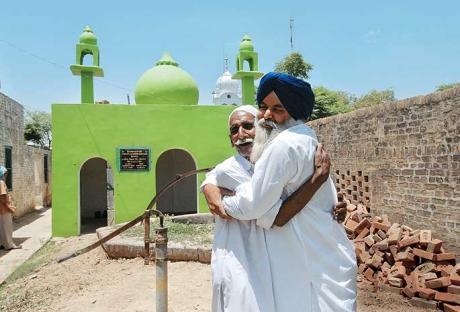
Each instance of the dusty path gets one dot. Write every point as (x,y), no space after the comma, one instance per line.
(93,283)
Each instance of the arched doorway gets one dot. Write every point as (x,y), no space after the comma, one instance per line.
(96,195)
(181,198)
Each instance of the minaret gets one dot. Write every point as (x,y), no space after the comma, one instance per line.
(87,45)
(247,77)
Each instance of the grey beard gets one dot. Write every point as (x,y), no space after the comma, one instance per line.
(265,135)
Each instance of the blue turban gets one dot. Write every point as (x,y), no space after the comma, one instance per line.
(294,93)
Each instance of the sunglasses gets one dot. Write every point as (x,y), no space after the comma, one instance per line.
(245,124)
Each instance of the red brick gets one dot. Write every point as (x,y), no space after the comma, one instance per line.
(434,246)
(394,236)
(394,252)
(453,289)
(445,270)
(406,255)
(408,241)
(429,276)
(351,225)
(447,297)
(361,268)
(444,256)
(423,254)
(369,241)
(450,308)
(438,283)
(455,279)
(395,282)
(369,274)
(426,293)
(364,224)
(376,238)
(381,246)
(398,271)
(417,280)
(362,234)
(425,267)
(376,261)
(409,291)
(389,258)
(351,207)
(425,237)
(381,226)
(363,256)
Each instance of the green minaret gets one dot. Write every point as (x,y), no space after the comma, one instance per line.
(247,77)
(87,45)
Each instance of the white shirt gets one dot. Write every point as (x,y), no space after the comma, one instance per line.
(241,276)
(313,263)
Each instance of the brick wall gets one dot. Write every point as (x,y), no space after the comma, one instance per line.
(29,187)
(409,153)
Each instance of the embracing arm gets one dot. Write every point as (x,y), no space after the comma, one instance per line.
(297,201)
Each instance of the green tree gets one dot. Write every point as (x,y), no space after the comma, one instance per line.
(294,65)
(447,86)
(38,128)
(330,102)
(374,97)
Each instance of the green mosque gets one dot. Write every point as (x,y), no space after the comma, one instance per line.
(109,160)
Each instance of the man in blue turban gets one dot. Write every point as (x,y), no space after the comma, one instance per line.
(295,94)
(312,262)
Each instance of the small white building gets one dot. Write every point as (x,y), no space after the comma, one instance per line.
(228,90)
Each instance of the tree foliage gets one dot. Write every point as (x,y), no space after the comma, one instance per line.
(447,86)
(330,102)
(294,65)
(374,97)
(38,128)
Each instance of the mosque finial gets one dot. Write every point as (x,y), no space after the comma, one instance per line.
(225,64)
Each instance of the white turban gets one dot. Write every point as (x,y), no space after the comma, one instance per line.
(244,108)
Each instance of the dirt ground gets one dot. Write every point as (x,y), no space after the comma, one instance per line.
(93,283)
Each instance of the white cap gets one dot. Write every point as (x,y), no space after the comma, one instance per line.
(244,108)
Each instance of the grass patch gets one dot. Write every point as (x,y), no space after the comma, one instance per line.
(194,234)
(41,257)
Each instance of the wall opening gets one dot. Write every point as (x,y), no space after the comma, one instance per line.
(181,198)
(96,195)
(87,59)
(9,166)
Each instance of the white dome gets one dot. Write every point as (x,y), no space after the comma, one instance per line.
(225,83)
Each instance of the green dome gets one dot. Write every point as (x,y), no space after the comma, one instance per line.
(166,83)
(246,44)
(88,36)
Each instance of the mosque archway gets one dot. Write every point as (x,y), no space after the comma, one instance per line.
(87,59)
(96,195)
(181,198)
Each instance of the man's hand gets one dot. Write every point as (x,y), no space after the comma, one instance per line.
(213,195)
(322,164)
(340,210)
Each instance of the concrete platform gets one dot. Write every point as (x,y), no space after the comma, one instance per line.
(131,247)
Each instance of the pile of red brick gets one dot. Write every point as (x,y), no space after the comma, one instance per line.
(402,257)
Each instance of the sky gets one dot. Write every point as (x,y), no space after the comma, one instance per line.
(355,46)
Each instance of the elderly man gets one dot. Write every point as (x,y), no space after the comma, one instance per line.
(241,274)
(312,262)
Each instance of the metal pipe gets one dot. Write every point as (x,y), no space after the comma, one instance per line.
(147,237)
(161,263)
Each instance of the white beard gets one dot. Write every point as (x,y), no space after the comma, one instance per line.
(265,135)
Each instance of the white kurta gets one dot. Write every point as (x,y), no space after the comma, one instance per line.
(312,261)
(241,276)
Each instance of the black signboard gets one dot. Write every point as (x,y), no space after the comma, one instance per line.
(134,159)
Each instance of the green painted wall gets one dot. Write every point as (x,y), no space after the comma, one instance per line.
(81,132)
